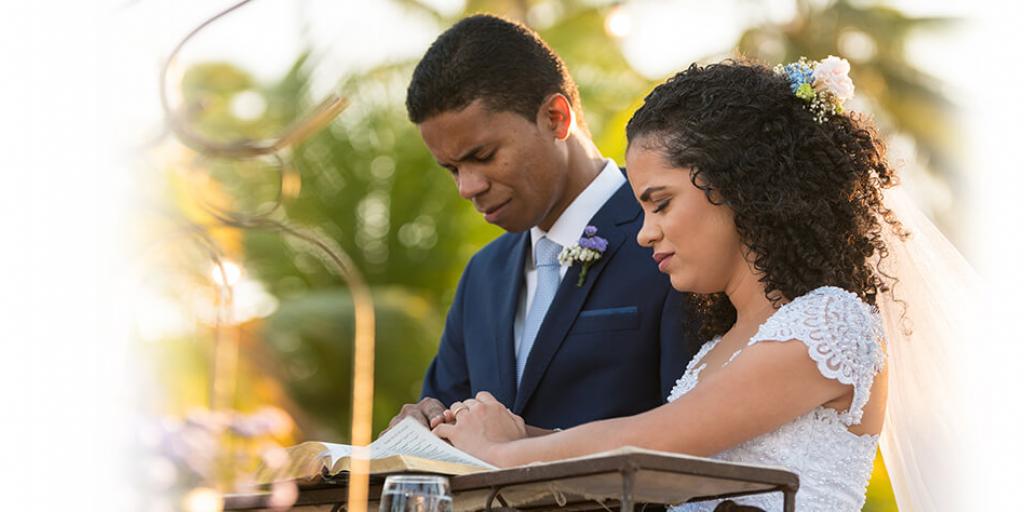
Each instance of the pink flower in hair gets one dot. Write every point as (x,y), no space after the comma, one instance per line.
(832,74)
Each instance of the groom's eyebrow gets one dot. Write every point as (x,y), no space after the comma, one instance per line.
(465,155)
(646,196)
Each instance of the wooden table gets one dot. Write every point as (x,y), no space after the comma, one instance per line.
(624,478)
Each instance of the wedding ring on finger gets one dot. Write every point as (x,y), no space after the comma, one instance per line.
(457,409)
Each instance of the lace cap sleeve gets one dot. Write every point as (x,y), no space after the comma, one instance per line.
(842,334)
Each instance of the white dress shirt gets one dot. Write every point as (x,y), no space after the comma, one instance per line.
(566,231)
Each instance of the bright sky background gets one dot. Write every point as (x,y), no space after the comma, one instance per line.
(265,36)
(77,76)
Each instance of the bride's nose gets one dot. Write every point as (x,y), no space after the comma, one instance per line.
(649,232)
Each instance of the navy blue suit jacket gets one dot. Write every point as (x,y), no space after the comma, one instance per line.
(613,347)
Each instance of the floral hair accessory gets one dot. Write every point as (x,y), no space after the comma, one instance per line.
(586,251)
(825,85)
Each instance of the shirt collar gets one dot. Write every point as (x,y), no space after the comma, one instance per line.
(568,229)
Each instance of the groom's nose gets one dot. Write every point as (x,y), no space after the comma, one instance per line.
(471,184)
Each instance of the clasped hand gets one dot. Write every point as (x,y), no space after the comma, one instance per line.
(480,426)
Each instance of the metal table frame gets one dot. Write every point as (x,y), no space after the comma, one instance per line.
(627,465)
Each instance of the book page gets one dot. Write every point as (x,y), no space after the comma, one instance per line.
(409,437)
(336,452)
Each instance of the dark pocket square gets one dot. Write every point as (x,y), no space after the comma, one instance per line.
(608,311)
(609,319)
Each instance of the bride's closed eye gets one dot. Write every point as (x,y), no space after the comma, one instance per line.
(662,205)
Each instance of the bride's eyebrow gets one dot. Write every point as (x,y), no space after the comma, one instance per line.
(646,196)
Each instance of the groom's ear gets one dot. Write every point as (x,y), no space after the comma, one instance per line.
(556,114)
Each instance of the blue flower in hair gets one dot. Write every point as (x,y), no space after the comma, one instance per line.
(798,73)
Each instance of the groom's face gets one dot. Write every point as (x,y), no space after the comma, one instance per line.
(513,171)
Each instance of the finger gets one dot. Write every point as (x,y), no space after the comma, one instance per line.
(520,422)
(470,402)
(427,400)
(437,420)
(457,408)
(444,430)
(402,413)
(417,414)
(432,408)
(487,398)
(409,411)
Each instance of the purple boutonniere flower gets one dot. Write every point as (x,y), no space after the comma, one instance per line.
(589,249)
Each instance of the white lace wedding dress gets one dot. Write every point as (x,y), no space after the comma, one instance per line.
(843,336)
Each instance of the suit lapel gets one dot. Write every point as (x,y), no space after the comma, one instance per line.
(569,298)
(509,285)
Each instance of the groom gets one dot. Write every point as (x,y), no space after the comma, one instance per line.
(559,347)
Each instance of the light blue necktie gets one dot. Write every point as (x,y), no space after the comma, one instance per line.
(548,278)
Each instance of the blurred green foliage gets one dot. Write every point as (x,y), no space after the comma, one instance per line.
(305,341)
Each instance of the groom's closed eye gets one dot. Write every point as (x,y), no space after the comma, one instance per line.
(483,158)
(478,155)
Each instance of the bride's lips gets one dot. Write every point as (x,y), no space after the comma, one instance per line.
(662,259)
(491,214)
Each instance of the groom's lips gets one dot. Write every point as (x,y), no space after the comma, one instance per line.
(491,214)
(661,258)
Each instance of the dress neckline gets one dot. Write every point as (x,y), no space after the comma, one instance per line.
(702,353)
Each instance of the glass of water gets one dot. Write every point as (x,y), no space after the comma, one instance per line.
(416,493)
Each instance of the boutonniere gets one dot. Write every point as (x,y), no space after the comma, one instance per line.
(589,249)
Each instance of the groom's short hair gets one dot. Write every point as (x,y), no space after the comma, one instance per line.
(501,62)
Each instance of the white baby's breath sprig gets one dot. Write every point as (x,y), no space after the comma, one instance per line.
(586,251)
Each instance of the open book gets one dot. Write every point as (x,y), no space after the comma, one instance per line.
(408,447)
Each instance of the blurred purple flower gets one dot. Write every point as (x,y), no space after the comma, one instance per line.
(590,240)
(265,422)
(196,444)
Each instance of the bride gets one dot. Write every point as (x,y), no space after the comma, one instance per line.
(766,201)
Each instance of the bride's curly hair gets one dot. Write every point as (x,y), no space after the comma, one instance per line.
(807,196)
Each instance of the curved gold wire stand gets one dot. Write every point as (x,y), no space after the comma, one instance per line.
(271,217)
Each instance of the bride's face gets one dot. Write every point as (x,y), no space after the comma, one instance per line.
(694,241)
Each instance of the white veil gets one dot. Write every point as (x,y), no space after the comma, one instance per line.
(926,440)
